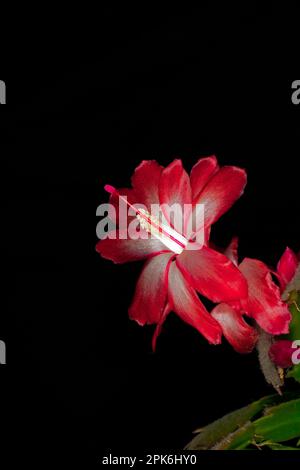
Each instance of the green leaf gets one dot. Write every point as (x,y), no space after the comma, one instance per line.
(241,439)
(276,446)
(281,422)
(246,428)
(220,429)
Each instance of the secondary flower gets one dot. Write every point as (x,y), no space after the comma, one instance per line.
(286,267)
(173,273)
(281,353)
(263,304)
(282,350)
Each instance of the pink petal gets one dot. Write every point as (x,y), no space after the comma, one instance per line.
(264,302)
(207,235)
(201,173)
(238,333)
(232,251)
(151,291)
(121,250)
(212,274)
(220,193)
(145,181)
(175,188)
(286,267)
(159,326)
(185,302)
(281,353)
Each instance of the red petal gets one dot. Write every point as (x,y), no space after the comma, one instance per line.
(201,173)
(212,274)
(222,190)
(264,302)
(238,333)
(145,181)
(121,250)
(159,326)
(185,302)
(175,188)
(286,267)
(281,353)
(232,251)
(151,291)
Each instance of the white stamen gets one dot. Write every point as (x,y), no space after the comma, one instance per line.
(173,240)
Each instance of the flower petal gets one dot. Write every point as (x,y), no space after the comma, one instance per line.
(175,188)
(286,267)
(232,251)
(201,173)
(238,333)
(222,190)
(151,291)
(185,302)
(281,353)
(212,274)
(159,325)
(264,302)
(145,181)
(122,250)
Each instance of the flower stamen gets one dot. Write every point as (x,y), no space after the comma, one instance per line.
(166,234)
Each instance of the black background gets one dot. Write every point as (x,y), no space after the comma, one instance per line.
(89,96)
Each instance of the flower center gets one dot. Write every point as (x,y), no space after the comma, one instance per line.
(172,239)
(166,234)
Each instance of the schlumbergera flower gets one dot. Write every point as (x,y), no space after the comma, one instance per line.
(281,351)
(263,304)
(176,266)
(286,268)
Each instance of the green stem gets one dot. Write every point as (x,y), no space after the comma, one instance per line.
(268,367)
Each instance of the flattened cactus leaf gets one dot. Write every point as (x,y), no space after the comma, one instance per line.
(215,432)
(281,423)
(276,446)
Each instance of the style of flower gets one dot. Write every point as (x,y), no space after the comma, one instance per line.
(173,273)
(263,304)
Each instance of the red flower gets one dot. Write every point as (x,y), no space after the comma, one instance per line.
(263,303)
(281,353)
(286,267)
(171,276)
